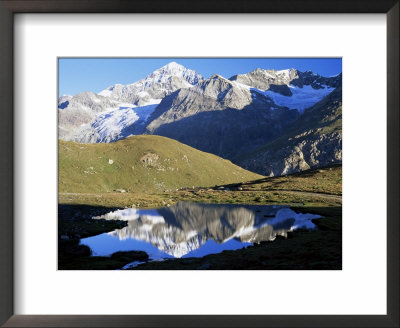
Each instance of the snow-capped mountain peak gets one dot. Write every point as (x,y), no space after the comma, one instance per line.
(164,73)
(154,86)
(172,67)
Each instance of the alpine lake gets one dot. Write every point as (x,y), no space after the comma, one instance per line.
(194,230)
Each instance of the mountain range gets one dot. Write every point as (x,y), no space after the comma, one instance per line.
(266,121)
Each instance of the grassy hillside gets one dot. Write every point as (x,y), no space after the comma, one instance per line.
(326,180)
(316,187)
(142,163)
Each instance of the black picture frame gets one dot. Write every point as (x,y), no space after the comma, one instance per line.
(10,7)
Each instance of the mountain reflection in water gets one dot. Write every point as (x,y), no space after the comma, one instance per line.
(195,230)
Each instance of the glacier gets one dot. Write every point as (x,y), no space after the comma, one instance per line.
(115,124)
(300,99)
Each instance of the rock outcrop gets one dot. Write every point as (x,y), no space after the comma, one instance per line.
(302,154)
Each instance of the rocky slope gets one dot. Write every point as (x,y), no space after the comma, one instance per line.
(265,79)
(313,140)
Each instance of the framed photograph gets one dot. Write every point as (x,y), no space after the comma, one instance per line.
(175,171)
(191,165)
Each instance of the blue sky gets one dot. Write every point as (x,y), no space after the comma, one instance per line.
(76,75)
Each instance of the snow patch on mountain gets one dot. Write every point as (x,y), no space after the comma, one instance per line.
(115,124)
(111,123)
(300,99)
(106,92)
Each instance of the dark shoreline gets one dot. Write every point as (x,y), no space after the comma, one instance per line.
(75,222)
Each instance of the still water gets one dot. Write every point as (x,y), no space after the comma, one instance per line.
(195,230)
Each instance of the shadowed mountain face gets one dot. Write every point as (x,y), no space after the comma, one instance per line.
(185,227)
(228,132)
(220,117)
(232,118)
(312,140)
